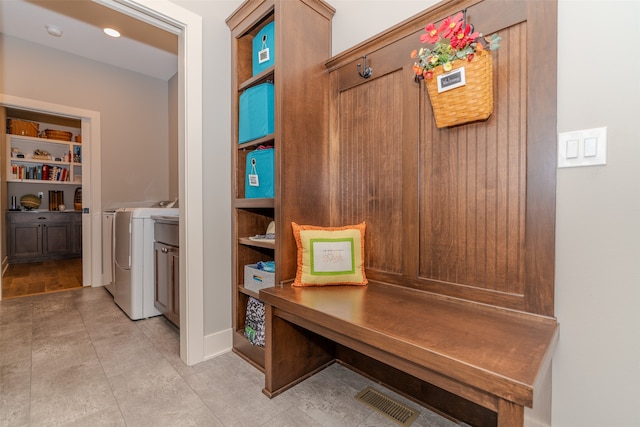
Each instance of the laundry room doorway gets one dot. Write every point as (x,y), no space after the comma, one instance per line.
(188,27)
(90,179)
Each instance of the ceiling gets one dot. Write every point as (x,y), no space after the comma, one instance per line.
(143,48)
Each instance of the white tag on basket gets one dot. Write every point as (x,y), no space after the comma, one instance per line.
(253,176)
(263,54)
(451,80)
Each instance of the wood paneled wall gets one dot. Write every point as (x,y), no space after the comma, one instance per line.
(369,154)
(466,211)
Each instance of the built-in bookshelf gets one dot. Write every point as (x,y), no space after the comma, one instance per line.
(43,153)
(302,44)
(40,160)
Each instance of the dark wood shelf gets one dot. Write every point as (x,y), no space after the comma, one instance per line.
(254,203)
(251,353)
(247,292)
(267,140)
(248,242)
(263,77)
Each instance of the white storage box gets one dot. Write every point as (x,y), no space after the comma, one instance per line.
(255,279)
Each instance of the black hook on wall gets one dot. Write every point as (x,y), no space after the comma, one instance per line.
(368,71)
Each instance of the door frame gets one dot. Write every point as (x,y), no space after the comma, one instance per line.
(188,27)
(91,179)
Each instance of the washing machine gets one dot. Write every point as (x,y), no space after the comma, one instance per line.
(133,289)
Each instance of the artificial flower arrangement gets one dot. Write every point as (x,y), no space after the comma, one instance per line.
(454,39)
(457,70)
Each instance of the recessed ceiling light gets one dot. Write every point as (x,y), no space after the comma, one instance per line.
(53,30)
(111,32)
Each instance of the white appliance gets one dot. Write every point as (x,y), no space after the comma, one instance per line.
(133,260)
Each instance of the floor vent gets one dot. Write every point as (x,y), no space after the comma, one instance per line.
(387,406)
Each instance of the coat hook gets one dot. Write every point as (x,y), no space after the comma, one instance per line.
(368,71)
(464,20)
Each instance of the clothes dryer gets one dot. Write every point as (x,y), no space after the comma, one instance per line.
(134,263)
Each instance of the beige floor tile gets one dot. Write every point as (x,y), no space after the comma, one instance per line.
(154,392)
(73,358)
(74,392)
(15,394)
(108,417)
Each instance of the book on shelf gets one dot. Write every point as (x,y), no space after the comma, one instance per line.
(40,173)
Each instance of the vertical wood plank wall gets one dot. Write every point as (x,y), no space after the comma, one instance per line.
(370,155)
(473,200)
(449,210)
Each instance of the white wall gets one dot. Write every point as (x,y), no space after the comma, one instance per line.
(133,108)
(216,158)
(596,368)
(358,20)
(172,123)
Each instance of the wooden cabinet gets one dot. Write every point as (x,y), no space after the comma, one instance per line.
(76,235)
(167,270)
(42,236)
(302,44)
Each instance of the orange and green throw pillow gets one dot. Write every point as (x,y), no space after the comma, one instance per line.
(330,255)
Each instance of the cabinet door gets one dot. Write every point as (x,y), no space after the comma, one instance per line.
(162,292)
(56,238)
(76,234)
(25,240)
(174,266)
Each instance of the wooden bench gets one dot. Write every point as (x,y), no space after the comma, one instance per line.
(496,358)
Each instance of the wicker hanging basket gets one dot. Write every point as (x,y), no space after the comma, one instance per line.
(468,103)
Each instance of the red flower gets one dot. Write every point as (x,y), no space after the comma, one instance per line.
(431,35)
(461,39)
(451,25)
(453,40)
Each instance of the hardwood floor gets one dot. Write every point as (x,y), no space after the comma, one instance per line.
(41,277)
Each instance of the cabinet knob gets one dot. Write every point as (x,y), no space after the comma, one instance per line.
(166,250)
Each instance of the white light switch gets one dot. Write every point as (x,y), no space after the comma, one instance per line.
(590,146)
(582,148)
(572,149)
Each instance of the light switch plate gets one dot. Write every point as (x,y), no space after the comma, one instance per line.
(572,148)
(591,148)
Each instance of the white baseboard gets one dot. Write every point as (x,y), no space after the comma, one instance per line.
(218,343)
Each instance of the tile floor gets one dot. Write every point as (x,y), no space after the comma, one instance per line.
(72,358)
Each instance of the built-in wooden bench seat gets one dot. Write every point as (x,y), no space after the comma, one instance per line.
(494,357)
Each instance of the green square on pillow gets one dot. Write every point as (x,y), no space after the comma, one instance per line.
(330,255)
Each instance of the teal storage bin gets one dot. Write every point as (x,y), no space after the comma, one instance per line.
(256,112)
(264,49)
(259,174)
